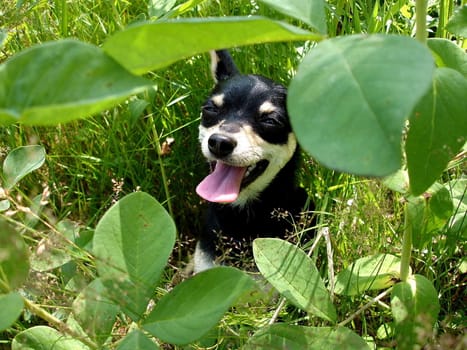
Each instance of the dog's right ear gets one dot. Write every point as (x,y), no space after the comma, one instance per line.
(222,65)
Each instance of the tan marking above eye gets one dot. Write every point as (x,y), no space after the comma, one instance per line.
(218,100)
(267,107)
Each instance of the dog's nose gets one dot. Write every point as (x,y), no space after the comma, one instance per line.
(221,145)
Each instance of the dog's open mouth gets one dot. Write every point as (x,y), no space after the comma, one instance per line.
(224,183)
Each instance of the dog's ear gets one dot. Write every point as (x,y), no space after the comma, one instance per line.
(222,65)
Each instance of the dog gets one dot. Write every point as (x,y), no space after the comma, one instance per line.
(246,136)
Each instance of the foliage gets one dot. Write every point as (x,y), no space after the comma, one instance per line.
(363,91)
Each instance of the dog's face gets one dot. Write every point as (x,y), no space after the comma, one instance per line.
(244,133)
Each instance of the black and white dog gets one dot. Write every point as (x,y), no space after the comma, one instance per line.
(246,136)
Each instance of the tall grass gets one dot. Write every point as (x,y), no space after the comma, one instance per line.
(92,163)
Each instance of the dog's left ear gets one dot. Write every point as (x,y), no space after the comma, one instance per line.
(222,65)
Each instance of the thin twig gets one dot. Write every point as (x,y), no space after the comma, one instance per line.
(365,307)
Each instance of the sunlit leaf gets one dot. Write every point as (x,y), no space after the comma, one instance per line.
(438,129)
(294,275)
(45,338)
(137,340)
(20,162)
(153,45)
(193,307)
(351,96)
(415,308)
(281,336)
(59,81)
(310,12)
(374,272)
(132,243)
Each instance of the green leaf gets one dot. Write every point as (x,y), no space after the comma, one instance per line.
(294,275)
(351,97)
(281,336)
(415,308)
(132,243)
(51,252)
(11,305)
(158,8)
(438,129)
(45,338)
(60,81)
(458,22)
(447,54)
(193,307)
(137,340)
(310,12)
(373,272)
(14,260)
(20,162)
(95,313)
(4,205)
(154,45)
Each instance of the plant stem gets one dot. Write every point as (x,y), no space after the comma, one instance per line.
(406,246)
(40,312)
(420,20)
(157,143)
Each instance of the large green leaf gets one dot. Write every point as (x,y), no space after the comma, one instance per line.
(132,243)
(60,81)
(14,259)
(310,12)
(95,313)
(415,308)
(20,162)
(351,97)
(149,46)
(438,129)
(137,340)
(458,22)
(193,307)
(374,272)
(448,54)
(294,275)
(11,305)
(45,338)
(281,336)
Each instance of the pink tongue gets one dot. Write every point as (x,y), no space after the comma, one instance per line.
(222,185)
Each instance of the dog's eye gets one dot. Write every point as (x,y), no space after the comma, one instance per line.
(270,119)
(210,109)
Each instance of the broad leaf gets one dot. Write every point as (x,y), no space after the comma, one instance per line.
(55,249)
(438,129)
(448,54)
(351,97)
(95,313)
(281,336)
(193,307)
(11,305)
(310,12)
(415,308)
(14,260)
(458,22)
(20,162)
(368,273)
(137,340)
(294,275)
(60,81)
(154,45)
(45,338)
(132,243)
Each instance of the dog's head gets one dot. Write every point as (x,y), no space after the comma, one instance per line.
(245,134)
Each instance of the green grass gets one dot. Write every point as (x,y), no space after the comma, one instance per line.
(92,163)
